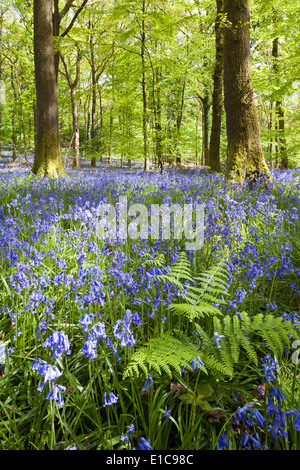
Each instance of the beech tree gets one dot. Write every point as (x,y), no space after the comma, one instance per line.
(47,158)
(243,132)
(150,74)
(73,84)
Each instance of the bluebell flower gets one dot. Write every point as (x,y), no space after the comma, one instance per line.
(2,351)
(122,331)
(136,319)
(249,420)
(255,441)
(130,429)
(245,439)
(271,306)
(277,394)
(112,399)
(297,421)
(223,441)
(59,343)
(241,414)
(51,373)
(270,408)
(269,366)
(144,444)
(196,364)
(86,320)
(98,331)
(55,393)
(217,338)
(148,383)
(259,418)
(166,414)
(89,348)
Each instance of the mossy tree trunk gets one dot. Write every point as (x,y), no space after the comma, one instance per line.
(47,158)
(245,155)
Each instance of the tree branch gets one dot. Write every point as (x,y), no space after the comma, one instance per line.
(66,8)
(74,17)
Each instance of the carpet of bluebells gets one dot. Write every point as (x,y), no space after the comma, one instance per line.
(75,309)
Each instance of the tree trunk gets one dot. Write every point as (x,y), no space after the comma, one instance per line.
(279,109)
(94,104)
(101,143)
(205,127)
(47,159)
(144,92)
(157,118)
(76,139)
(180,107)
(245,156)
(217,98)
(73,89)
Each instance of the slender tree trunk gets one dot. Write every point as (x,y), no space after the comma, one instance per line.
(144,92)
(101,143)
(217,98)
(205,127)
(2,12)
(279,109)
(196,141)
(22,121)
(75,120)
(13,137)
(0,105)
(270,129)
(94,104)
(243,133)
(76,138)
(111,127)
(180,106)
(157,118)
(47,158)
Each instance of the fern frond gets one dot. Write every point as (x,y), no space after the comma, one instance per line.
(247,333)
(203,298)
(168,354)
(192,312)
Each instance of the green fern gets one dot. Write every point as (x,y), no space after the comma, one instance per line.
(168,354)
(245,335)
(179,274)
(201,299)
(250,334)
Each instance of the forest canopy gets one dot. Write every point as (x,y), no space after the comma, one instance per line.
(142,81)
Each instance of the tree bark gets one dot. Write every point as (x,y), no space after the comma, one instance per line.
(217,98)
(279,109)
(245,155)
(144,92)
(75,120)
(94,102)
(179,116)
(205,127)
(47,159)
(157,117)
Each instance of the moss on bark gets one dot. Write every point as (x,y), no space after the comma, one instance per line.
(245,155)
